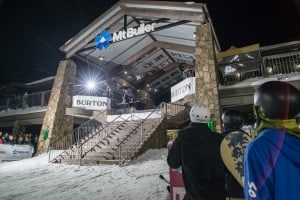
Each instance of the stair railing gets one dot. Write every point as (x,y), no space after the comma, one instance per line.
(65,142)
(168,110)
(126,143)
(61,145)
(176,114)
(89,145)
(172,109)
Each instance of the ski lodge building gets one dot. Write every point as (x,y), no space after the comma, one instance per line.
(150,60)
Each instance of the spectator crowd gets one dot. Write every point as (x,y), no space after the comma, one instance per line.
(21,139)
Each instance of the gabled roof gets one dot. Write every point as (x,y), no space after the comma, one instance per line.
(150,62)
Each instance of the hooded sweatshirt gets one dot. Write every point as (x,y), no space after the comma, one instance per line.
(272,166)
(197,151)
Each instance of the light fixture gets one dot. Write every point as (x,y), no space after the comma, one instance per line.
(101,57)
(125,72)
(194,34)
(91,85)
(270,70)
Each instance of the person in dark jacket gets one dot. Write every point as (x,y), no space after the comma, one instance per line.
(233,122)
(197,151)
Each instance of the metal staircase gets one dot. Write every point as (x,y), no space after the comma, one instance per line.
(115,142)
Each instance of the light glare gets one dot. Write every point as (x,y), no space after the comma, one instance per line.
(91,85)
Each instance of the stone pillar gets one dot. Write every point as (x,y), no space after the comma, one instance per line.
(207,91)
(55,119)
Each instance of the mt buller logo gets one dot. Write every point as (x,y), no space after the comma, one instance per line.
(102,40)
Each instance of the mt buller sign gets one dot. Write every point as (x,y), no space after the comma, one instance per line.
(132,32)
(105,38)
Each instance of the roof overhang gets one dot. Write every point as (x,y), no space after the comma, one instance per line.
(195,12)
(152,61)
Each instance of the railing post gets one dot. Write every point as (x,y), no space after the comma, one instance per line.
(262,67)
(43,99)
(162,109)
(80,161)
(49,155)
(7,104)
(119,149)
(78,135)
(142,132)
(167,112)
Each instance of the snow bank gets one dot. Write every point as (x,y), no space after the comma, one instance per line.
(35,178)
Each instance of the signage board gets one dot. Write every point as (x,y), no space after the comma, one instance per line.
(105,38)
(132,32)
(182,89)
(15,152)
(91,102)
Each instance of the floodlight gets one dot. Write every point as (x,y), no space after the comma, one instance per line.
(91,85)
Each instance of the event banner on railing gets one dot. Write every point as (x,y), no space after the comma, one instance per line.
(91,102)
(183,88)
(15,152)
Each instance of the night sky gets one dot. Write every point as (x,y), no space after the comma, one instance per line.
(33,30)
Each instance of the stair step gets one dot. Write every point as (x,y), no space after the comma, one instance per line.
(106,151)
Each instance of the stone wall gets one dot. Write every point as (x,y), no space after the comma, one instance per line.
(55,120)
(207,92)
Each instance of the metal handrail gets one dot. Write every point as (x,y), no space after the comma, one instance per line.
(176,108)
(140,125)
(102,138)
(65,142)
(58,140)
(87,145)
(171,109)
(67,145)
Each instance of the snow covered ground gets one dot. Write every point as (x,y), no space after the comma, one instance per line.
(35,178)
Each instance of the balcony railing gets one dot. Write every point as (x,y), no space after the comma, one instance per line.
(25,101)
(230,74)
(281,64)
(234,72)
